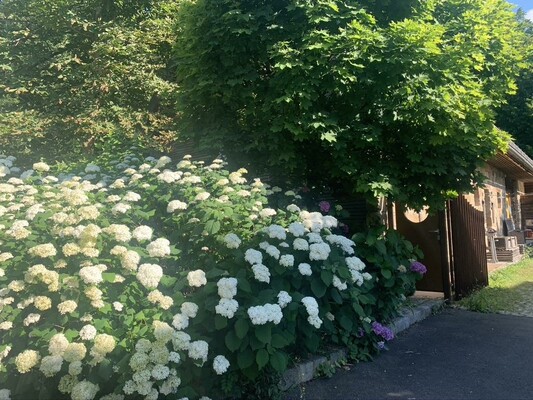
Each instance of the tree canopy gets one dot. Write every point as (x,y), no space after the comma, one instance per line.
(379,98)
(74,70)
(516,116)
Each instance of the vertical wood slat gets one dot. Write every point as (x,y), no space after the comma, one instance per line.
(468,247)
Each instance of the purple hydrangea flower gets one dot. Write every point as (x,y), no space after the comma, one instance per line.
(324,206)
(382,331)
(418,267)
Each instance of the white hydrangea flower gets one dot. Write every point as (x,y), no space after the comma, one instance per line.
(142,233)
(176,205)
(227,287)
(311,306)
(88,332)
(300,244)
(103,344)
(149,275)
(26,360)
(267,212)
(261,273)
(305,269)
(121,233)
(57,344)
(130,260)
(232,241)
(339,284)
(84,390)
(260,315)
(51,365)
(286,260)
(227,307)
(180,321)
(253,256)
(293,208)
(319,251)
(31,319)
(189,309)
(284,298)
(41,167)
(314,237)
(273,251)
(343,242)
(276,232)
(67,307)
(198,350)
(160,372)
(196,278)
(91,275)
(159,248)
(220,364)
(202,196)
(43,250)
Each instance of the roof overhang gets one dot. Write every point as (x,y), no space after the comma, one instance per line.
(515,163)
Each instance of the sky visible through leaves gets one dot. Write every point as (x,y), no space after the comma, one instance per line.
(526,5)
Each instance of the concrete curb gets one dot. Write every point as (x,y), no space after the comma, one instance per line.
(410,315)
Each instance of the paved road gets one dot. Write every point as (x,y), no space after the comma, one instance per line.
(455,355)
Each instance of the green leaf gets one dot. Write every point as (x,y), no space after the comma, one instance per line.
(245,359)
(212,226)
(387,274)
(278,341)
(109,277)
(278,361)
(232,341)
(326,276)
(346,322)
(318,288)
(220,322)
(358,309)
(261,358)
(336,296)
(263,333)
(241,328)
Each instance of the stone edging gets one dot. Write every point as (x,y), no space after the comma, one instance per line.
(306,371)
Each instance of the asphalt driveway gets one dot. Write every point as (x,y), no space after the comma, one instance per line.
(455,354)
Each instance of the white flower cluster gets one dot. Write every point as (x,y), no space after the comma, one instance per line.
(176,205)
(319,251)
(232,241)
(149,275)
(159,248)
(196,278)
(343,242)
(227,305)
(355,266)
(311,307)
(260,315)
(315,221)
(284,299)
(220,364)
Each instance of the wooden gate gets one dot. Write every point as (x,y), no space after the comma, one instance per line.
(469,253)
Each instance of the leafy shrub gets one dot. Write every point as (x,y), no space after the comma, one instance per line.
(134,279)
(389,257)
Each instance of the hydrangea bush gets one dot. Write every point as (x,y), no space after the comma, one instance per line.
(143,279)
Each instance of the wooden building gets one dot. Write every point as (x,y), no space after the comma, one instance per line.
(491,223)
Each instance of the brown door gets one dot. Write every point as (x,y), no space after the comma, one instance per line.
(422,230)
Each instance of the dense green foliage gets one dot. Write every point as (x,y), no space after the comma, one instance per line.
(384,99)
(516,116)
(72,71)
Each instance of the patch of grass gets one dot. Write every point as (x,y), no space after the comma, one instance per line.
(507,289)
